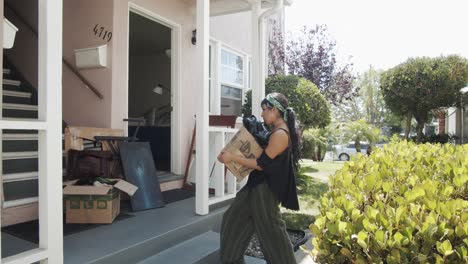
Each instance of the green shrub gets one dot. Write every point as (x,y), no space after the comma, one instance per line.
(316,142)
(405,203)
(445,138)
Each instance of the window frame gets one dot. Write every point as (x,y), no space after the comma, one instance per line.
(215,75)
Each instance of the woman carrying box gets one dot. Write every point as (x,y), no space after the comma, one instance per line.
(271,183)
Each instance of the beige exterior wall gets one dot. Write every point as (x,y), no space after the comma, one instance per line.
(234,30)
(81,107)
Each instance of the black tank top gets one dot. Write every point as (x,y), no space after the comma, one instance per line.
(279,174)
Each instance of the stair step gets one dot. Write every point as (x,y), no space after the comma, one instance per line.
(20,155)
(252,260)
(20,136)
(6,71)
(18,190)
(160,237)
(25,107)
(17,94)
(11,82)
(190,251)
(20,176)
(19,202)
(24,176)
(20,119)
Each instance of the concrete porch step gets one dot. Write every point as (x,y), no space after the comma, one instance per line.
(189,252)
(137,238)
(202,249)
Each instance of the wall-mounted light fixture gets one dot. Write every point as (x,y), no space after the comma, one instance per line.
(159,89)
(168,53)
(93,57)
(194,37)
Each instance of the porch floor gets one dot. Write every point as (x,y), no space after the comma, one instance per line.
(102,243)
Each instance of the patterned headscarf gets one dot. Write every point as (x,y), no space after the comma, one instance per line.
(278,106)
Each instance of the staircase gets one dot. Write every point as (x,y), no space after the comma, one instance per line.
(19,152)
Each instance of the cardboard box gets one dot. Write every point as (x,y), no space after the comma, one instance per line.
(94,204)
(242,144)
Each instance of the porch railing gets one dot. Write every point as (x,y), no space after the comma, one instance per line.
(221,180)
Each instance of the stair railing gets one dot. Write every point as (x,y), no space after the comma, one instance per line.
(68,64)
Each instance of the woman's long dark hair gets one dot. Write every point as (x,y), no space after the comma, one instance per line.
(292,126)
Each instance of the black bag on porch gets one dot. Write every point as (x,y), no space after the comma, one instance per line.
(83,164)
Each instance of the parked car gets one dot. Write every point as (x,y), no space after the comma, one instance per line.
(344,152)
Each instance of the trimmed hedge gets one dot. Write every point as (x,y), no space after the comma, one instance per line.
(406,203)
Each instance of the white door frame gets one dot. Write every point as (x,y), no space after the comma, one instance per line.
(176,135)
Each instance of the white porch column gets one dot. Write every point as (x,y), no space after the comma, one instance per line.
(258,91)
(202,137)
(50,139)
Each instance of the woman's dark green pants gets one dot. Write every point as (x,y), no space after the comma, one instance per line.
(255,210)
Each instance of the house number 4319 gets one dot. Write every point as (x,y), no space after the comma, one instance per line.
(102,32)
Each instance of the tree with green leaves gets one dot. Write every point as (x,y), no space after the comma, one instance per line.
(358,131)
(369,91)
(348,110)
(420,85)
(311,107)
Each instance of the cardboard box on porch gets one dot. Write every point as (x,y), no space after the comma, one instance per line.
(242,144)
(94,204)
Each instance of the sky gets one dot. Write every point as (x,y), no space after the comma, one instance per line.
(386,33)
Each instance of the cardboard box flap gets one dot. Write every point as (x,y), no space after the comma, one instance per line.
(86,190)
(126,187)
(72,182)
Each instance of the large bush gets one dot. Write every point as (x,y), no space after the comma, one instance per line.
(406,203)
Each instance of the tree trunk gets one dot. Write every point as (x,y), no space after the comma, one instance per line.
(408,124)
(319,153)
(441,117)
(420,127)
(421,119)
(357,145)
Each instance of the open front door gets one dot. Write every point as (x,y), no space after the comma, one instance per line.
(149,85)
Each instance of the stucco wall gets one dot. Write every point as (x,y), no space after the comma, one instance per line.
(234,30)
(81,107)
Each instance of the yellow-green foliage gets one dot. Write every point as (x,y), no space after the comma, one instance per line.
(405,203)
